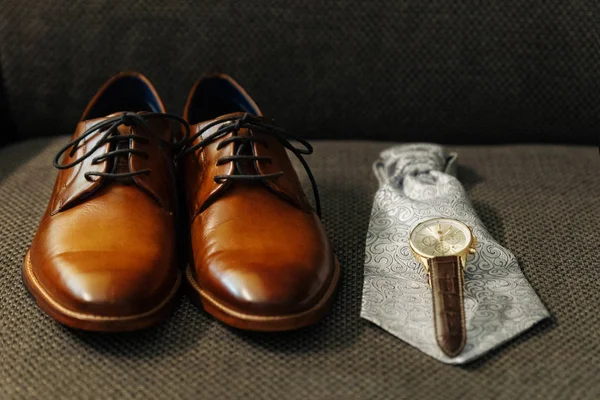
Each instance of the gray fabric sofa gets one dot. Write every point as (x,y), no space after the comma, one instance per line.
(513,88)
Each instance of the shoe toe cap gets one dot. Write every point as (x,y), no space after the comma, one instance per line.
(268,287)
(105,284)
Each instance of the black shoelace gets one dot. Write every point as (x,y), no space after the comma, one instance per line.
(113,137)
(245,151)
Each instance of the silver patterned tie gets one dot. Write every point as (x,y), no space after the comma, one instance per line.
(417,182)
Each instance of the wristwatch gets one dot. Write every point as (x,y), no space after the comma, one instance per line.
(442,246)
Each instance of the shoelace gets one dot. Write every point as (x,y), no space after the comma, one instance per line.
(112,136)
(244,146)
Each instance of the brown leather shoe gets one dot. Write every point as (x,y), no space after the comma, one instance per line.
(261,259)
(104,255)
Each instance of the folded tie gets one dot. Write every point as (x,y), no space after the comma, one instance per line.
(417,182)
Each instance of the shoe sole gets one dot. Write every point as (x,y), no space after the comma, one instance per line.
(263,323)
(91,322)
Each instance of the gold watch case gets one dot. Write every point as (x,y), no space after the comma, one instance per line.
(428,240)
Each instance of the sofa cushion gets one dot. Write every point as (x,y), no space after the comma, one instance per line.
(539,201)
(445,71)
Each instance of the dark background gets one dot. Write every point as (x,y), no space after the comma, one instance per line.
(447,71)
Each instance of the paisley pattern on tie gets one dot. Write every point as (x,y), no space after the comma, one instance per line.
(417,183)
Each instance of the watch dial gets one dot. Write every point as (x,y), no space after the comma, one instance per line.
(440,237)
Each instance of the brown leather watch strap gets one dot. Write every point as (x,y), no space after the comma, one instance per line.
(447,282)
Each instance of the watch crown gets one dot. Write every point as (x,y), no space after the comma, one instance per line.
(472,250)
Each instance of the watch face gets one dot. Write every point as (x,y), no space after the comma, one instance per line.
(440,237)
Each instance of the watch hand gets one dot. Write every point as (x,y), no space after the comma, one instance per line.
(448,231)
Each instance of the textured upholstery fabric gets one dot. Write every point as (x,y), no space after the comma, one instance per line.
(539,201)
(448,71)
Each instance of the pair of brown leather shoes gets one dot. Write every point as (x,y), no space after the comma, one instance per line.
(108,251)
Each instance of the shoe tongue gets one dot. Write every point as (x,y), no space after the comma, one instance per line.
(120,163)
(245,167)
(116,114)
(226,118)
(243,148)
